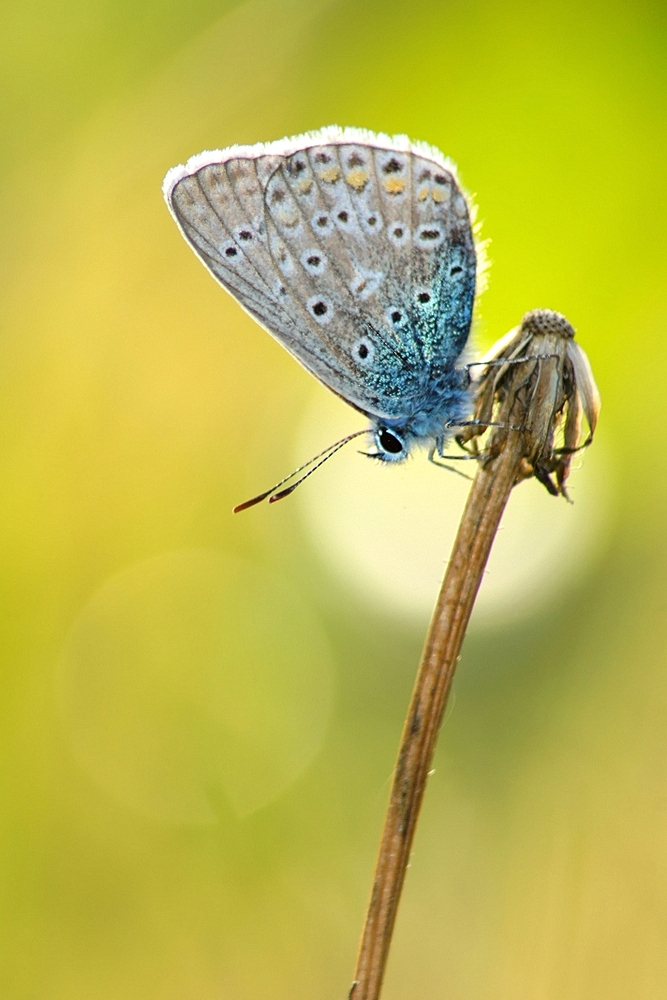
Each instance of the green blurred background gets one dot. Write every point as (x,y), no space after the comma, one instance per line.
(199,712)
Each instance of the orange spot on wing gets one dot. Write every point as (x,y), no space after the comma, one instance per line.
(440,194)
(357,179)
(330,175)
(393,185)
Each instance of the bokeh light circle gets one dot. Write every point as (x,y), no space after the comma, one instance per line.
(195,683)
(388,531)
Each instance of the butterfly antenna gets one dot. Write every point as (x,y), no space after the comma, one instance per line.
(319,459)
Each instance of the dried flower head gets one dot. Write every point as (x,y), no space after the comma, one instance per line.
(539,376)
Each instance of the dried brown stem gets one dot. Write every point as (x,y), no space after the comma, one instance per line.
(536,396)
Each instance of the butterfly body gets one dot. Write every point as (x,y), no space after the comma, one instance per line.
(354,250)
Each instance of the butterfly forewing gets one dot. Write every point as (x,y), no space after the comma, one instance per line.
(353,250)
(232,241)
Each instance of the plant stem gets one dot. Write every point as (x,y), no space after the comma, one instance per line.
(486,502)
(532,400)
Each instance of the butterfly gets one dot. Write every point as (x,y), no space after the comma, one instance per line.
(357,252)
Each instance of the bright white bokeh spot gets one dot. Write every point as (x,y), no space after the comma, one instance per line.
(194,681)
(388,530)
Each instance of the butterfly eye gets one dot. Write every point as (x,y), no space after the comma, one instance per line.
(389,442)
(363,352)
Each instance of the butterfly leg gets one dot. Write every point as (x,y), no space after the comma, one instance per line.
(573,451)
(481,423)
(441,465)
(439,449)
(498,362)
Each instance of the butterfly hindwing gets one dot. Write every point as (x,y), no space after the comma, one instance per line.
(353,250)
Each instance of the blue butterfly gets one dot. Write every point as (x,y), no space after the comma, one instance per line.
(357,252)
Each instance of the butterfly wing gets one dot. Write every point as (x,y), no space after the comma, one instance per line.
(354,250)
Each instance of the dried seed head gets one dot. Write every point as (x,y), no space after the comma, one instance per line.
(537,379)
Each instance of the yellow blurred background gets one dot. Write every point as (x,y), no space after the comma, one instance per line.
(200,712)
